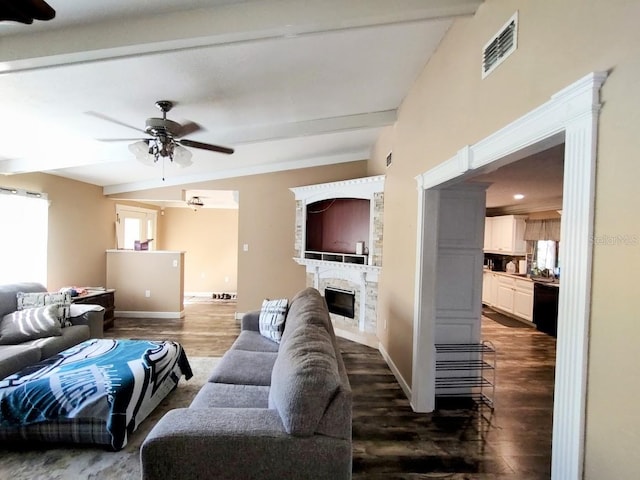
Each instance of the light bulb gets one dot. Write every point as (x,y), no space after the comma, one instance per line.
(182,156)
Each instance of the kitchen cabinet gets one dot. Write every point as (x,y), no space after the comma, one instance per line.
(508,294)
(488,233)
(505,235)
(486,280)
(489,287)
(506,289)
(523,299)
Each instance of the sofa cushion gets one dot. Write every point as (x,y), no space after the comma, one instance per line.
(23,325)
(14,358)
(70,337)
(40,299)
(307,307)
(254,342)
(224,395)
(242,367)
(272,317)
(304,379)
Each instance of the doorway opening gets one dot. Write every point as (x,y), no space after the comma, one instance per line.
(570,116)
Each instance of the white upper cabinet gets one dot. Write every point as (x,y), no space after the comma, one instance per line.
(505,235)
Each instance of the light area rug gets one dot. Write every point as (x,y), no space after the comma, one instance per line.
(52,462)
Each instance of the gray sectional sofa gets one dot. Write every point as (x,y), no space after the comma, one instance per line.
(268,411)
(87,322)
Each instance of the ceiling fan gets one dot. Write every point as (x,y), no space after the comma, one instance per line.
(195,203)
(165,138)
(25,11)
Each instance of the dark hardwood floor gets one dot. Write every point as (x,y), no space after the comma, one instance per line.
(391,441)
(207,330)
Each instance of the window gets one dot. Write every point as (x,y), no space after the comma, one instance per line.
(135,223)
(23,243)
(545,255)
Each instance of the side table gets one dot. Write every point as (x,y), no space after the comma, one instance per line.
(105,299)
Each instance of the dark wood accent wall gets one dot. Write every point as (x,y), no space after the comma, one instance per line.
(336,225)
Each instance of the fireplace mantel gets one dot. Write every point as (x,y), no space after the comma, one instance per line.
(356,188)
(352,271)
(368,273)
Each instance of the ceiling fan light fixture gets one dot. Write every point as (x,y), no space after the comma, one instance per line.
(182,156)
(142,152)
(195,203)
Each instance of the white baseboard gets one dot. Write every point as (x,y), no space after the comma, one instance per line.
(369,340)
(198,294)
(396,373)
(130,314)
(208,294)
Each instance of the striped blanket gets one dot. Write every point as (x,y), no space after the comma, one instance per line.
(97,392)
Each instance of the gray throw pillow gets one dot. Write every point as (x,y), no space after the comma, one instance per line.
(29,324)
(40,299)
(272,317)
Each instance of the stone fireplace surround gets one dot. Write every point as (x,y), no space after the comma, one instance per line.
(362,279)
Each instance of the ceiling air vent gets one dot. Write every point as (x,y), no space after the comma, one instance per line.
(500,46)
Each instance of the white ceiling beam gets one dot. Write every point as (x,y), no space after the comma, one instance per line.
(316,126)
(222,25)
(236,172)
(254,134)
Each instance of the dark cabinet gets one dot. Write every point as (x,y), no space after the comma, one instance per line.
(105,299)
(545,307)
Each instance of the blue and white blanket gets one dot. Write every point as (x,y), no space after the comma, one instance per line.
(97,392)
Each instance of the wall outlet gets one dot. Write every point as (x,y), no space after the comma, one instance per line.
(175,263)
(147,293)
(245,247)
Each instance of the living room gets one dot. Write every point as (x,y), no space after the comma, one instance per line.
(448,108)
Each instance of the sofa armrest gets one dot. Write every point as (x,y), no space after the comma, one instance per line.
(251,321)
(242,443)
(90,315)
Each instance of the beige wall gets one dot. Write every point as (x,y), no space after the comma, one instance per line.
(81,228)
(209,238)
(450,107)
(133,274)
(266,223)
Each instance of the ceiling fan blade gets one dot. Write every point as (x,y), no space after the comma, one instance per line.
(26,11)
(113,120)
(206,146)
(188,129)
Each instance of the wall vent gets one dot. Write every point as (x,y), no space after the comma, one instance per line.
(503,44)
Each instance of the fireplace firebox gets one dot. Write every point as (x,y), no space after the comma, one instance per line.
(340,302)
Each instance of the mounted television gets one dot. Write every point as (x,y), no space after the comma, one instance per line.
(337,225)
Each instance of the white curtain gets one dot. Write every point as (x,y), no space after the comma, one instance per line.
(23,240)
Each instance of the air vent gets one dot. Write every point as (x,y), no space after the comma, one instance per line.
(503,44)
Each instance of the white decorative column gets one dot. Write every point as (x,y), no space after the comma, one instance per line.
(576,251)
(450,280)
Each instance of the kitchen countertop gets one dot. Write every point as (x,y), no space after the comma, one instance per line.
(522,276)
